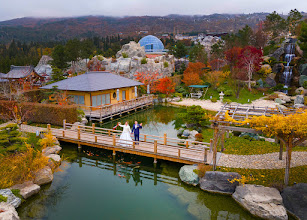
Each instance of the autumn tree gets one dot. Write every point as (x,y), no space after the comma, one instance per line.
(290,129)
(198,54)
(215,78)
(293,19)
(250,60)
(95,65)
(274,24)
(165,85)
(192,74)
(148,78)
(303,39)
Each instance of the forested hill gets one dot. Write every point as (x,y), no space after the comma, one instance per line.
(58,29)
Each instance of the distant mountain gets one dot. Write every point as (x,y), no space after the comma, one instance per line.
(58,29)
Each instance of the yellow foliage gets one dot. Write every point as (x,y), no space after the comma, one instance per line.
(20,167)
(277,125)
(48,141)
(215,78)
(243,180)
(265,70)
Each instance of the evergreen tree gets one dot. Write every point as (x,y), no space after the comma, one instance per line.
(59,57)
(303,38)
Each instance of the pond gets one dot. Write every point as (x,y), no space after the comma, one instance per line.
(93,184)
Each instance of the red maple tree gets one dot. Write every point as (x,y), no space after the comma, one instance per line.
(165,85)
(148,78)
(250,59)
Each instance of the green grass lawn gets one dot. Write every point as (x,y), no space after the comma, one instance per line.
(242,146)
(244,95)
(270,177)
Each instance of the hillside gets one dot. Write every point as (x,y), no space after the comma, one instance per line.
(50,29)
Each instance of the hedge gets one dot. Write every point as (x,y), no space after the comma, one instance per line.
(44,113)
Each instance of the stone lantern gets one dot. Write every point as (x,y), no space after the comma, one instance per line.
(221,96)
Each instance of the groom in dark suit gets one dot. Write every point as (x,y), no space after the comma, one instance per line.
(136,130)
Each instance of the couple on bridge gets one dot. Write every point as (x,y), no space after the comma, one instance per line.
(125,137)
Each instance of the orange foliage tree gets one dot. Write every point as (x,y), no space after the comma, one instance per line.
(215,78)
(165,85)
(192,74)
(148,78)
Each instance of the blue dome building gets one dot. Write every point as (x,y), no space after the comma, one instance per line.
(152,44)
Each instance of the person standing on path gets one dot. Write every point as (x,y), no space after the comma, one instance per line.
(136,130)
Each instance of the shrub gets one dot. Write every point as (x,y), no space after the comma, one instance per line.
(202,169)
(44,113)
(272,97)
(227,100)
(3,198)
(177,94)
(156,61)
(11,139)
(214,100)
(143,61)
(305,84)
(47,141)
(221,89)
(165,64)
(199,137)
(228,92)
(125,55)
(28,163)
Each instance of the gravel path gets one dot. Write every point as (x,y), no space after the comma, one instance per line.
(31,129)
(216,106)
(262,161)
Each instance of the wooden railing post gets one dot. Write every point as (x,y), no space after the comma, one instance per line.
(206,155)
(211,145)
(95,139)
(109,132)
(165,138)
(155,147)
(63,133)
(178,153)
(48,127)
(93,128)
(79,133)
(145,137)
(133,144)
(64,124)
(114,139)
(187,144)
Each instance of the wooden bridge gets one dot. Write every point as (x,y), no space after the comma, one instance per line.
(165,148)
(109,111)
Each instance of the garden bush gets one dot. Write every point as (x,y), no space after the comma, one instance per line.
(305,84)
(221,89)
(43,113)
(227,100)
(11,139)
(143,61)
(228,92)
(125,55)
(165,64)
(199,137)
(214,100)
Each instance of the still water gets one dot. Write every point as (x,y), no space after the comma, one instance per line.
(93,184)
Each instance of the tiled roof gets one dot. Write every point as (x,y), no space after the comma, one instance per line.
(2,75)
(18,72)
(93,81)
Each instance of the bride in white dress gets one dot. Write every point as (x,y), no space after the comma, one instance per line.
(125,137)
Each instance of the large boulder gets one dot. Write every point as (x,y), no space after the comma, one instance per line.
(278,68)
(299,99)
(193,133)
(295,200)
(51,150)
(264,202)
(302,79)
(277,54)
(271,82)
(186,133)
(219,182)
(8,212)
(187,174)
(11,198)
(43,176)
(303,69)
(27,189)
(131,49)
(54,157)
(279,101)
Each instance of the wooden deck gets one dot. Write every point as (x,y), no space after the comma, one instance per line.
(165,148)
(109,111)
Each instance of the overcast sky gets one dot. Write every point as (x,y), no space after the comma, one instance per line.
(10,9)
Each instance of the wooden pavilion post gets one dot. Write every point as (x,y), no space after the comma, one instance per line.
(222,141)
(288,160)
(215,141)
(281,148)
